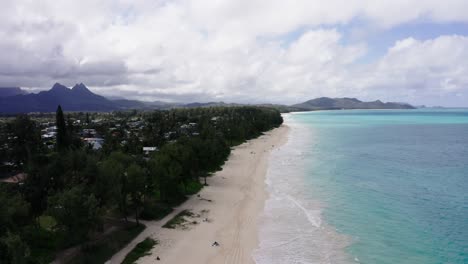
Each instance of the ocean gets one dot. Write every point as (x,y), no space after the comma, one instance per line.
(368,186)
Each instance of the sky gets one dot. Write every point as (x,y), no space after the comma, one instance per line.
(245,51)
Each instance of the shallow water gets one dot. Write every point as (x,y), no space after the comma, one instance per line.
(369,186)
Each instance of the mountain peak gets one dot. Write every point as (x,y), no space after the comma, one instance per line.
(351,99)
(59,87)
(80,87)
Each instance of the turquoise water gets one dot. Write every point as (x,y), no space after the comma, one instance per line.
(393,183)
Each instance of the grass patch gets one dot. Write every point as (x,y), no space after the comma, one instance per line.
(47,222)
(140,250)
(178,220)
(106,248)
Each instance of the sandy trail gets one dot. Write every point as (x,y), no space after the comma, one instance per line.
(237,195)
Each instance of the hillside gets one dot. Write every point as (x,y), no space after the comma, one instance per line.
(11,91)
(326,103)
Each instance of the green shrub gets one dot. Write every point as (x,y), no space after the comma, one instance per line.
(193,187)
(154,211)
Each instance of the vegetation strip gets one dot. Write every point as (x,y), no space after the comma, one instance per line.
(100,252)
(178,220)
(69,180)
(140,250)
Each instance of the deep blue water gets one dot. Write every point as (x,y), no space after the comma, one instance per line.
(395,182)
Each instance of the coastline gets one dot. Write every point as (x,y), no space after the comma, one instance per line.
(232,203)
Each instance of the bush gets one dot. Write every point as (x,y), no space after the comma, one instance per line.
(42,243)
(193,187)
(154,211)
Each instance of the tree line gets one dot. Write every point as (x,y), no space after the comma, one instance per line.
(72,191)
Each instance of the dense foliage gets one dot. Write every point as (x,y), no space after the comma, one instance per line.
(73,192)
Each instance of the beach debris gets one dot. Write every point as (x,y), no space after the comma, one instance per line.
(206,220)
(215,244)
(157,258)
(204,213)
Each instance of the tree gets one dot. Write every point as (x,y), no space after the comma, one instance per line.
(76,212)
(17,251)
(14,214)
(61,129)
(167,172)
(26,140)
(108,184)
(36,187)
(136,178)
(3,144)
(14,211)
(71,137)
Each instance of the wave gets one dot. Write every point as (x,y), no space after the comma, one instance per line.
(291,229)
(314,219)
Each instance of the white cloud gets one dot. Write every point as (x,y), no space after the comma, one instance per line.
(228,50)
(419,71)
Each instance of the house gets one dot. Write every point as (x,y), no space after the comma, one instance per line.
(49,135)
(147,150)
(169,134)
(50,129)
(88,132)
(96,143)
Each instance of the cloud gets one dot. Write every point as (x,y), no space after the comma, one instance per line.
(229,50)
(417,69)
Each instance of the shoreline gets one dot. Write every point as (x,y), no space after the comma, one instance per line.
(232,204)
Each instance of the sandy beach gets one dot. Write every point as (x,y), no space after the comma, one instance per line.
(226,211)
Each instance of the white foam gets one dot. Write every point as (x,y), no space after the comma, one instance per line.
(313,219)
(291,229)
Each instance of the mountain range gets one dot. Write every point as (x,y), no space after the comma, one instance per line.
(79,98)
(11,91)
(325,103)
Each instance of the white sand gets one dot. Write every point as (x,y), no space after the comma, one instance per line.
(238,195)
